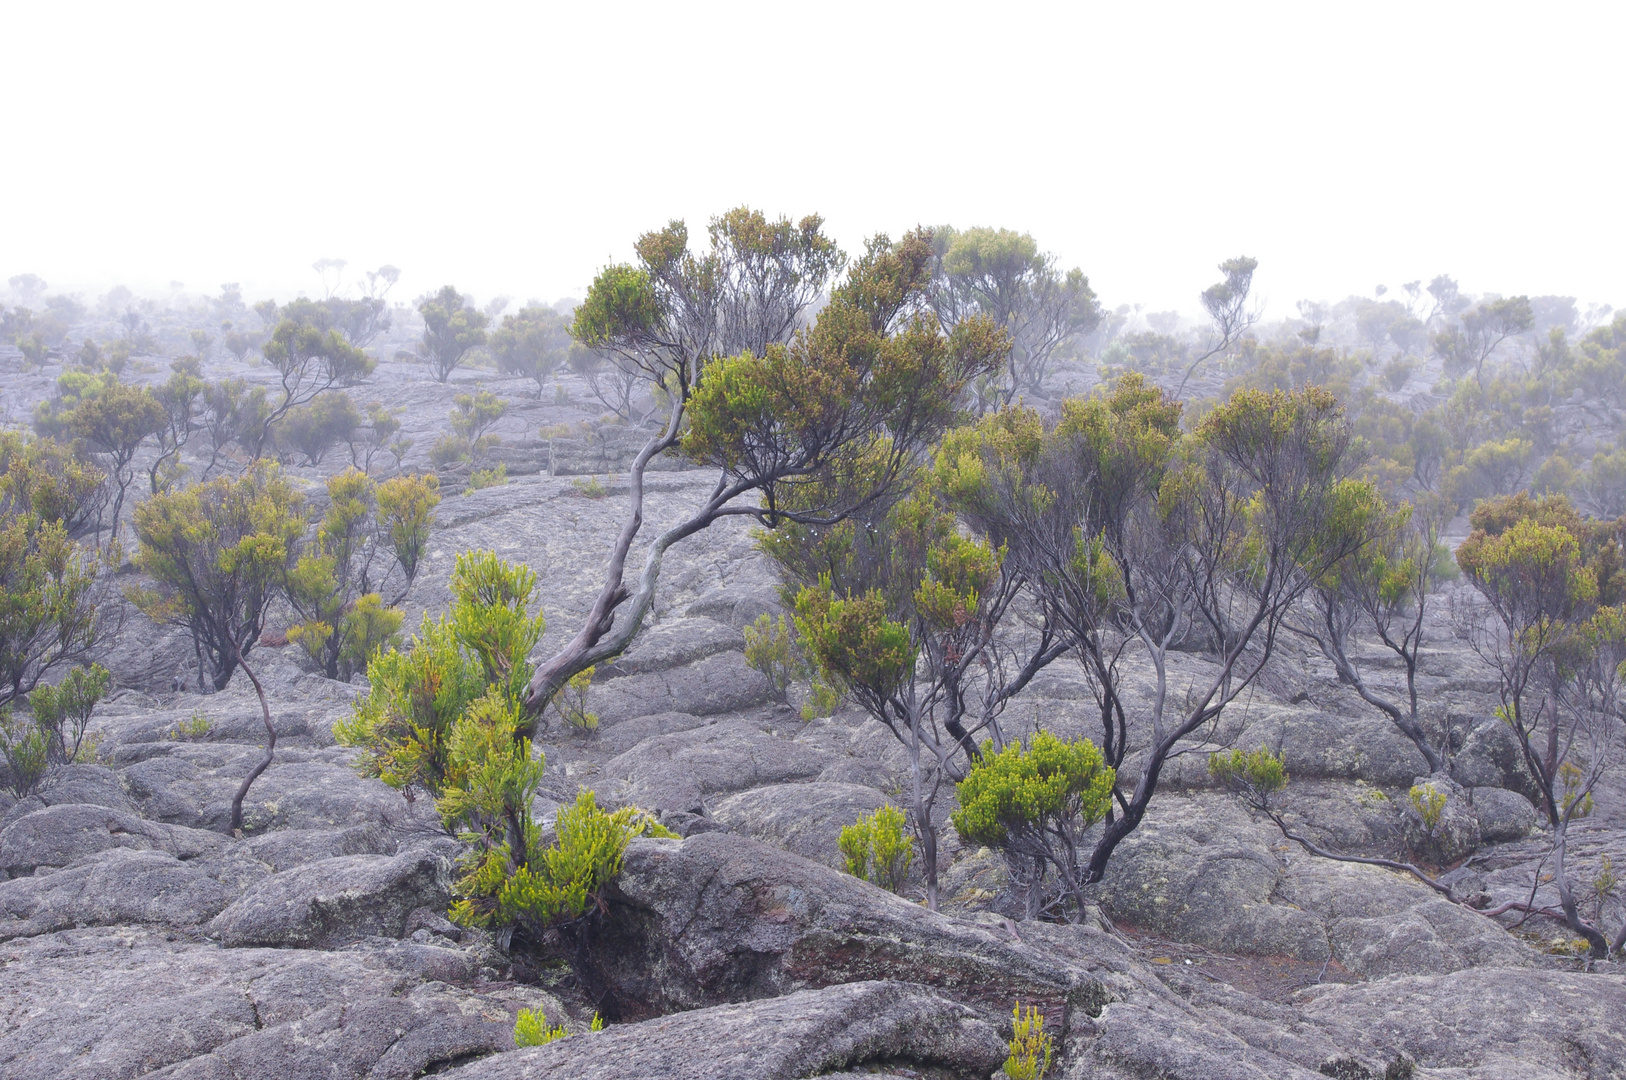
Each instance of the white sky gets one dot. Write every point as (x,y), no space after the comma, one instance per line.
(515,148)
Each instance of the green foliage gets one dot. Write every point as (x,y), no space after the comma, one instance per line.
(192,729)
(369,538)
(63,711)
(531,1029)
(47,582)
(770,647)
(557,884)
(532,342)
(1047,785)
(853,641)
(590,488)
(1034,803)
(27,749)
(452,326)
(220,554)
(1257,775)
(484,478)
(1030,1046)
(404,726)
(1575,802)
(878,848)
(822,700)
(571,702)
(1429,802)
(450,450)
(318,426)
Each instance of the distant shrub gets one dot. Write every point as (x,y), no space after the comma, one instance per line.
(27,750)
(484,478)
(878,849)
(770,648)
(63,711)
(194,727)
(590,488)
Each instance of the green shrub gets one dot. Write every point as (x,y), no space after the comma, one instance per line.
(1256,775)
(450,450)
(1574,780)
(590,488)
(1429,802)
(822,699)
(1030,1047)
(484,478)
(63,711)
(195,727)
(27,750)
(404,725)
(770,647)
(1034,803)
(557,884)
(877,848)
(531,1029)
(571,704)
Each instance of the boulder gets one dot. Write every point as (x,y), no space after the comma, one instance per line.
(679,771)
(718,918)
(106,1004)
(1453,836)
(1490,1023)
(803,1034)
(58,835)
(716,684)
(806,819)
(1382,922)
(109,888)
(1490,757)
(1503,815)
(1199,870)
(334,900)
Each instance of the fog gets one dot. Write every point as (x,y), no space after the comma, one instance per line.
(515,149)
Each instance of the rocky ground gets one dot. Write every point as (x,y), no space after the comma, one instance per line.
(137,938)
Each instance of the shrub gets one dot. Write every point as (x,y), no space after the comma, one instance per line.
(63,711)
(770,648)
(27,750)
(405,723)
(1034,803)
(194,727)
(484,478)
(318,426)
(1030,1047)
(571,704)
(369,539)
(590,488)
(877,848)
(1256,775)
(1429,802)
(48,593)
(450,450)
(531,1029)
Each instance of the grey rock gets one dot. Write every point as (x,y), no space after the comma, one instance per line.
(803,1034)
(718,918)
(738,606)
(58,835)
(1491,1023)
(679,771)
(1380,922)
(1490,757)
(95,785)
(719,683)
(621,737)
(1454,836)
(112,887)
(806,819)
(102,1004)
(674,644)
(333,900)
(1199,870)
(1503,814)
(1328,746)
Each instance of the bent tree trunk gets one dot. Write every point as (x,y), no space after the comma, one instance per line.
(270,749)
